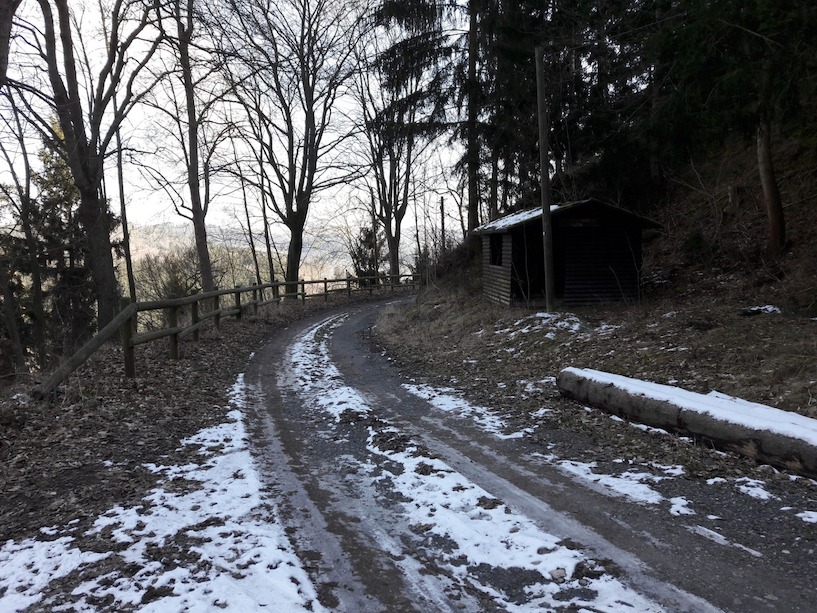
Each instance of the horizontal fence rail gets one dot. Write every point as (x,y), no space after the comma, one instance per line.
(207,306)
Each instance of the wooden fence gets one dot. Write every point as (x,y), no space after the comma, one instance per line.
(208,306)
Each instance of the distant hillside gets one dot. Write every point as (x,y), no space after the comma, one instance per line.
(324,256)
(159,238)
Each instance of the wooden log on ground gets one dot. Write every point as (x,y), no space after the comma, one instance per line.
(766,434)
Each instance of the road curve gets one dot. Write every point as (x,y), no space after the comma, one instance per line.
(395,505)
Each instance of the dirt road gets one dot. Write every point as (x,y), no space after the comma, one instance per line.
(402,497)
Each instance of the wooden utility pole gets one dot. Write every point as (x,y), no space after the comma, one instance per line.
(547,229)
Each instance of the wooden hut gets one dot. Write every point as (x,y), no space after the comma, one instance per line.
(596,254)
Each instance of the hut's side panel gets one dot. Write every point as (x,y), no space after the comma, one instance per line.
(496,267)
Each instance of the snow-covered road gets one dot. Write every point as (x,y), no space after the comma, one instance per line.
(467,545)
(339,485)
(429,502)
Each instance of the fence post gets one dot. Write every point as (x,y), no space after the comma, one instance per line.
(303,290)
(126,333)
(124,302)
(349,286)
(217,316)
(255,301)
(325,290)
(172,322)
(194,318)
(238,304)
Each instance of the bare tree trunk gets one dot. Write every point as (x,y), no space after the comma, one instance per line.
(38,302)
(250,238)
(267,238)
(771,193)
(442,226)
(394,256)
(10,308)
(123,211)
(294,252)
(7,10)
(493,198)
(472,153)
(198,207)
(95,220)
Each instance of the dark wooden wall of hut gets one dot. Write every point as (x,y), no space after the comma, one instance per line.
(496,267)
(600,264)
(528,274)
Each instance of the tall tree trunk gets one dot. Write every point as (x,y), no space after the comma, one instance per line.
(250,238)
(265,218)
(472,144)
(123,211)
(38,302)
(442,225)
(394,257)
(268,240)
(771,193)
(493,198)
(10,315)
(198,205)
(294,252)
(7,10)
(95,220)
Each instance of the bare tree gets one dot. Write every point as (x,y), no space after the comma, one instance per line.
(123,212)
(294,61)
(247,230)
(83,83)
(397,126)
(192,131)
(19,196)
(7,10)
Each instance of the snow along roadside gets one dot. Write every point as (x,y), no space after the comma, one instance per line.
(214,544)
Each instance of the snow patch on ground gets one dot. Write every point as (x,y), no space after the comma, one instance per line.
(754,488)
(446,399)
(551,322)
(314,370)
(808,516)
(486,533)
(717,537)
(27,567)
(223,547)
(628,484)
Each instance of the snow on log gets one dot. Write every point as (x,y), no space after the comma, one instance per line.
(764,433)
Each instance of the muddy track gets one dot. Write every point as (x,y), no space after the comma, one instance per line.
(350,454)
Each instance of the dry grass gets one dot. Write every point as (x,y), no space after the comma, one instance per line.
(697,343)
